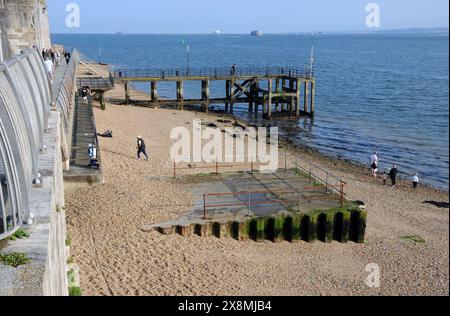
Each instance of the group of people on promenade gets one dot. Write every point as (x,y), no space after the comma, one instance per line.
(392,173)
(52,59)
(55,56)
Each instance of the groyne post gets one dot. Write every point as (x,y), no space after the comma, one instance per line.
(205,94)
(180,94)
(154,91)
(127,92)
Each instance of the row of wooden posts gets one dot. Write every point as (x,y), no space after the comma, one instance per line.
(284,96)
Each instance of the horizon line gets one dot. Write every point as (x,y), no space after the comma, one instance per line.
(446,28)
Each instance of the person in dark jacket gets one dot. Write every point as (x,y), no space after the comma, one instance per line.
(141,148)
(67,56)
(393,175)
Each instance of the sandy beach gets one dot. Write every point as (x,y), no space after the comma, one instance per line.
(117,258)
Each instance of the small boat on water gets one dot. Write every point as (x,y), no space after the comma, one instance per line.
(256,33)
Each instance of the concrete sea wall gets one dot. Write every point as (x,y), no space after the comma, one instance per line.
(33,132)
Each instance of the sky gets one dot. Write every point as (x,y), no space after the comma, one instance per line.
(243,16)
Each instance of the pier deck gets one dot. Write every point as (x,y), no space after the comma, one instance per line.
(275,90)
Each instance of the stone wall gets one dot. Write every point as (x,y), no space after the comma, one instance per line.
(23,24)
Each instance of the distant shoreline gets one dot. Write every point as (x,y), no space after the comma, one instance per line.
(437,30)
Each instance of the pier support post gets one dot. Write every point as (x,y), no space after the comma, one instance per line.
(277,90)
(154,91)
(127,92)
(269,98)
(251,99)
(205,94)
(232,91)
(180,94)
(313,97)
(298,101)
(228,96)
(292,99)
(306,96)
(102,101)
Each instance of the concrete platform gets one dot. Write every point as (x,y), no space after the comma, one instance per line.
(240,205)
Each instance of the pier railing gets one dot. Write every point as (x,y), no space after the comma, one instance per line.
(96,83)
(64,88)
(211,72)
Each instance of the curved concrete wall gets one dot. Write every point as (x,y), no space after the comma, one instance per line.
(24,108)
(33,131)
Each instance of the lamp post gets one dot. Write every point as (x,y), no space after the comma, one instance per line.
(188,56)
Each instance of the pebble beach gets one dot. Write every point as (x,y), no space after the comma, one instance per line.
(117,258)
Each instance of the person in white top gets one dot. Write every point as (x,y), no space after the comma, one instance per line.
(374,164)
(57,58)
(49,67)
(415,181)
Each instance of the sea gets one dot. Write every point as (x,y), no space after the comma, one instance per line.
(383,92)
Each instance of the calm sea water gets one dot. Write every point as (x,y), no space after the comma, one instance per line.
(385,93)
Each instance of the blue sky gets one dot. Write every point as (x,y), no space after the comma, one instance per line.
(243,16)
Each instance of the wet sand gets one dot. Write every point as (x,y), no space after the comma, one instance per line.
(117,258)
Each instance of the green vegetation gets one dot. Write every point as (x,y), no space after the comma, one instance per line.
(73,289)
(414,238)
(15,259)
(68,241)
(20,234)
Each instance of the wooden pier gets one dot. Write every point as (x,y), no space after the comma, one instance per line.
(289,92)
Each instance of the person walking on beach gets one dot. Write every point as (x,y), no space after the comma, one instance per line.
(374,164)
(393,175)
(141,148)
(415,181)
(385,177)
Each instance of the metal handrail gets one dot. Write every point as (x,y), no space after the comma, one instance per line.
(252,203)
(95,83)
(211,72)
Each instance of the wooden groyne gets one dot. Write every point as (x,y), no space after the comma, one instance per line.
(276,91)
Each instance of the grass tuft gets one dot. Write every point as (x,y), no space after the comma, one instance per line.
(14,259)
(20,234)
(414,238)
